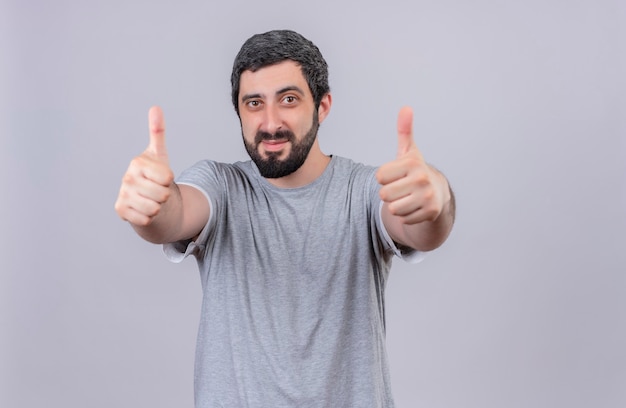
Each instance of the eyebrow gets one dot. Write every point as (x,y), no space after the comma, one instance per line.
(290,88)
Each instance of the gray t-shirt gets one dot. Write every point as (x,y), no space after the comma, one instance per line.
(293,311)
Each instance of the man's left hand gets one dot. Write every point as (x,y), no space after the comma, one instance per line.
(411,188)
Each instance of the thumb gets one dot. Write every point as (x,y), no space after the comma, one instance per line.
(156,124)
(405,131)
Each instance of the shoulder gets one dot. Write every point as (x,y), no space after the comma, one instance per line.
(213,169)
(216,178)
(353,170)
(216,166)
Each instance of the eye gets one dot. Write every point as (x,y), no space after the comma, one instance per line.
(253,103)
(290,99)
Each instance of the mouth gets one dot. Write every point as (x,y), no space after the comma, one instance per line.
(274,145)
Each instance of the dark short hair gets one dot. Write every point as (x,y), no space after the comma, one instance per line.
(262,50)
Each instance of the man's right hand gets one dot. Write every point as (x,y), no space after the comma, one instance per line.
(146,186)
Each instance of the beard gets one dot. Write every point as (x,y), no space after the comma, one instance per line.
(272,166)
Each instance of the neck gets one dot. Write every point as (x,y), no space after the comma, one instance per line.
(311,169)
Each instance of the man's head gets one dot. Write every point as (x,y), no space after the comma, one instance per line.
(281,94)
(262,50)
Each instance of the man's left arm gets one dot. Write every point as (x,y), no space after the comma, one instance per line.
(419,205)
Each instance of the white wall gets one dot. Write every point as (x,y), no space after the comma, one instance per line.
(521,104)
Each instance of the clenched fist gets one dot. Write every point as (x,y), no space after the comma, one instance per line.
(146,184)
(412,189)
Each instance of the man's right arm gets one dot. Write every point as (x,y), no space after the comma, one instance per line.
(157,208)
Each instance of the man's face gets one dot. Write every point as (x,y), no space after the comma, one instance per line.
(279,121)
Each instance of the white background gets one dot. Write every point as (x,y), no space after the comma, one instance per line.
(521,104)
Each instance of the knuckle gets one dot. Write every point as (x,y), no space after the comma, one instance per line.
(410,220)
(127,178)
(429,195)
(413,161)
(422,178)
(170,176)
(380,176)
(154,211)
(122,197)
(137,162)
(394,209)
(142,221)
(383,194)
(430,213)
(165,196)
(119,208)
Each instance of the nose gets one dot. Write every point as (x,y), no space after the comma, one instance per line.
(272,121)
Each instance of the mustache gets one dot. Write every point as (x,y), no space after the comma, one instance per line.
(279,135)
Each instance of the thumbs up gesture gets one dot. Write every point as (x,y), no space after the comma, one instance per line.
(410,188)
(146,184)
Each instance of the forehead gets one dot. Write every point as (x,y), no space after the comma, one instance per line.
(272,78)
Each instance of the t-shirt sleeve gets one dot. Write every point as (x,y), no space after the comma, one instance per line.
(202,176)
(408,254)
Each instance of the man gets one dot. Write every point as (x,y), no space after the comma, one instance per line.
(294,247)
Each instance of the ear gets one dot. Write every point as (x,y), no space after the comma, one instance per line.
(324,109)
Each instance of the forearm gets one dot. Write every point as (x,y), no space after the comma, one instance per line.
(155,206)
(425,234)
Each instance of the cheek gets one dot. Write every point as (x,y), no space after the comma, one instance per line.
(300,126)
(248,131)
(248,134)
